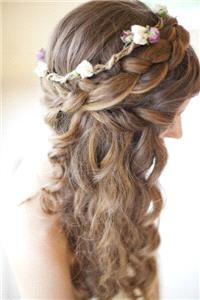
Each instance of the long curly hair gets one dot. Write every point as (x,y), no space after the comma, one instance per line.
(106,154)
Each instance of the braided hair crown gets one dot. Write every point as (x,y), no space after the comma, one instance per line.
(149,52)
(138,35)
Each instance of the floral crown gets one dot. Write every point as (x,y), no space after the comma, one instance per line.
(138,35)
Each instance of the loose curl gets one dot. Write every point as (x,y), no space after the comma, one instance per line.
(106,154)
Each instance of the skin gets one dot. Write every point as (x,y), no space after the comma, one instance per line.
(39,254)
(175,130)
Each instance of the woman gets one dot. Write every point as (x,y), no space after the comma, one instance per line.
(91,229)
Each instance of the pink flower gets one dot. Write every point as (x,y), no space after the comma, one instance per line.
(154,35)
(127,37)
(40,55)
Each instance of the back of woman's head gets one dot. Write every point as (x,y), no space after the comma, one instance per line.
(106,140)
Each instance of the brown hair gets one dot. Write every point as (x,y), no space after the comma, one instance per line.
(106,154)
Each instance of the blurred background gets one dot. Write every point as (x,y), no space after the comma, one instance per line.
(25,28)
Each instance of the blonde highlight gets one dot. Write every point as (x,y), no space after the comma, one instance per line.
(106,141)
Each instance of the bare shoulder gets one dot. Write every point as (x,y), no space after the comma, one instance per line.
(27,173)
(37,250)
(42,227)
(29,223)
(39,254)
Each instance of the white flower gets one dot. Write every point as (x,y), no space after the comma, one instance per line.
(160,9)
(140,34)
(41,69)
(85,69)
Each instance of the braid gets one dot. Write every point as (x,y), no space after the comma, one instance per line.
(106,141)
(153,61)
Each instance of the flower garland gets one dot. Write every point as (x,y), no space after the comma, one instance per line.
(141,35)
